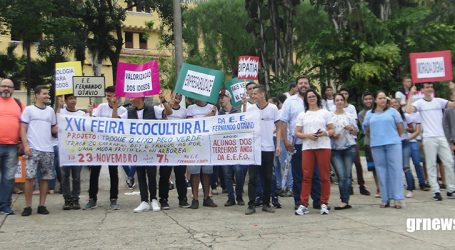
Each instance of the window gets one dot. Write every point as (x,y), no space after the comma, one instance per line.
(142,41)
(128,39)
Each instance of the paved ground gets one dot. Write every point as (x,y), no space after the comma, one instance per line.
(364,226)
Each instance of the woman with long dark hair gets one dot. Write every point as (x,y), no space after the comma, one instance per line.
(314,126)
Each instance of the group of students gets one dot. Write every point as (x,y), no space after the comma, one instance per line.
(303,136)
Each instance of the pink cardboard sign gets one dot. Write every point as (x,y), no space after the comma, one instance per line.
(137,80)
(433,66)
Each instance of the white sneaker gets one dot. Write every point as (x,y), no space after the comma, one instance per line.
(302,210)
(324,209)
(143,207)
(409,194)
(155,205)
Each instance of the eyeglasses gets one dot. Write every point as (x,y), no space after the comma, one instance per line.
(6,87)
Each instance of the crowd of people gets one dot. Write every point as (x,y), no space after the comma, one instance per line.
(307,142)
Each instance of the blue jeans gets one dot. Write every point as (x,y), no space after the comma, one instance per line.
(57,170)
(8,166)
(342,162)
(279,164)
(416,160)
(297,177)
(406,147)
(130,171)
(237,172)
(388,161)
(260,188)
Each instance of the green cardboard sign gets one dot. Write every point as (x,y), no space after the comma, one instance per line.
(237,89)
(199,83)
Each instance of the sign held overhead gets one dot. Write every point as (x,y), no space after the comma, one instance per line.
(88,86)
(431,66)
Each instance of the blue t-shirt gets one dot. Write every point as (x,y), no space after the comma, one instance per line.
(383,127)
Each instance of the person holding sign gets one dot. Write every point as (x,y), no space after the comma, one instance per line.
(38,125)
(10,114)
(434,141)
(201,109)
(146,175)
(111,109)
(71,197)
(269,119)
(248,99)
(178,112)
(237,171)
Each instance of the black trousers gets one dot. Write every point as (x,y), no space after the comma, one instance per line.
(146,176)
(265,170)
(94,181)
(180,182)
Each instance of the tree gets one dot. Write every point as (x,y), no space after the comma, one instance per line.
(103,20)
(26,19)
(271,24)
(215,35)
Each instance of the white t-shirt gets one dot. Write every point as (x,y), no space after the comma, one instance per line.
(65,111)
(196,111)
(431,113)
(249,106)
(311,122)
(269,116)
(417,96)
(413,119)
(40,122)
(350,109)
(140,113)
(329,104)
(104,110)
(178,114)
(346,139)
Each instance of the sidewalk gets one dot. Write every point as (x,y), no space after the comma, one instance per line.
(364,226)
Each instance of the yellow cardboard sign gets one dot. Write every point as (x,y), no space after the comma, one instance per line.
(64,73)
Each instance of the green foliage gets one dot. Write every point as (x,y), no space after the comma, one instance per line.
(215,34)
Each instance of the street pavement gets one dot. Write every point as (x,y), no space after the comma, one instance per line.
(364,226)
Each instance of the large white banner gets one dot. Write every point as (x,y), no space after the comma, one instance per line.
(219,140)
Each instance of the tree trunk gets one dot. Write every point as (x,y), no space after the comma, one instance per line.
(263,51)
(28,71)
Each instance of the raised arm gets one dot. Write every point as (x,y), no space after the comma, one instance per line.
(409,108)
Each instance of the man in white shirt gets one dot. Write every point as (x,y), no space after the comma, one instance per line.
(146,175)
(178,113)
(434,140)
(201,109)
(38,125)
(350,109)
(269,117)
(292,90)
(248,99)
(111,109)
(328,103)
(71,197)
